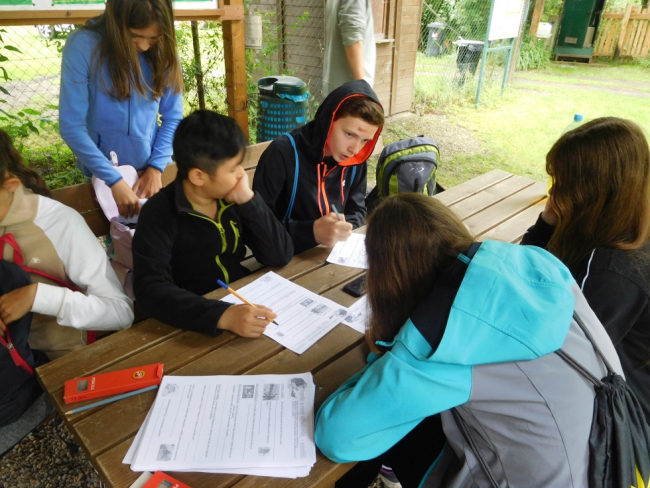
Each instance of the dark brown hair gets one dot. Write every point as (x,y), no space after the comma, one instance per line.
(11,164)
(601,189)
(363,108)
(117,49)
(411,238)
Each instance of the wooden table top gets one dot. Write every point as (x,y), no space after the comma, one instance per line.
(496,205)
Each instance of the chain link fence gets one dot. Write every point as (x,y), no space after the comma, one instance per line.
(293,37)
(452,40)
(30,71)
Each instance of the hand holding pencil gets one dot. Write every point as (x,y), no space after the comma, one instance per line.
(246,320)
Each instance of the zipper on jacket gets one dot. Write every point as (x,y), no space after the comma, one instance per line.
(233,224)
(222,233)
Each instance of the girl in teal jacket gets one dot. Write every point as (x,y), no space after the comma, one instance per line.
(119,74)
(466,326)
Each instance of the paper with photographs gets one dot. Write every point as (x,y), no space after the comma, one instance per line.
(303,316)
(262,425)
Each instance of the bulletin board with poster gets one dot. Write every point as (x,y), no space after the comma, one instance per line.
(504,23)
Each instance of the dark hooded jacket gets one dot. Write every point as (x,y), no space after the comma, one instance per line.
(322,182)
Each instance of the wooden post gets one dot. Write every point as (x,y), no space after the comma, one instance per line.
(234,55)
(396,50)
(621,36)
(198,70)
(537,16)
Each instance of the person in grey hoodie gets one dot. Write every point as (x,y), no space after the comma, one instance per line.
(458,326)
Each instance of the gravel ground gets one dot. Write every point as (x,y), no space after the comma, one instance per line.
(47,458)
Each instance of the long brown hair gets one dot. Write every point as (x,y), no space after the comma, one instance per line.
(601,189)
(411,238)
(117,49)
(11,164)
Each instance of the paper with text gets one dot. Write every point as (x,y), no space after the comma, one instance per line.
(238,424)
(357,317)
(303,316)
(350,253)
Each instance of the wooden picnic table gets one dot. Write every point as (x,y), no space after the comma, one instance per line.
(496,205)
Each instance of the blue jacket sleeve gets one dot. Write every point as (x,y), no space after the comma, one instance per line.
(378,406)
(74,106)
(171,113)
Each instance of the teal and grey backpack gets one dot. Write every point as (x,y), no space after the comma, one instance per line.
(407,166)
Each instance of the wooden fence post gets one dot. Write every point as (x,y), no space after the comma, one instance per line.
(234,55)
(537,16)
(621,36)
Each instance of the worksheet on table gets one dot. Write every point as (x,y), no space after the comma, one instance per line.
(350,253)
(303,316)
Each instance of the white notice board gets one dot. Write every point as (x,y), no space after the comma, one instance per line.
(506,19)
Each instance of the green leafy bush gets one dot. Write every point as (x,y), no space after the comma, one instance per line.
(533,54)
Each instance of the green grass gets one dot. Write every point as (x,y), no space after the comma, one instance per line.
(518,129)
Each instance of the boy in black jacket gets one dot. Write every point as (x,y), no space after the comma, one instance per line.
(195,230)
(330,156)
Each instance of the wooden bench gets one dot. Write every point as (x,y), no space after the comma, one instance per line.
(82,197)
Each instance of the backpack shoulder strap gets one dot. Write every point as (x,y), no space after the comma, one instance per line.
(467,435)
(295,178)
(10,240)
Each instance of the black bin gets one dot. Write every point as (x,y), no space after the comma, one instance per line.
(468,54)
(436,39)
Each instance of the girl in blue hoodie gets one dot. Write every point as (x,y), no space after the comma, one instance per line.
(120,73)
(464,328)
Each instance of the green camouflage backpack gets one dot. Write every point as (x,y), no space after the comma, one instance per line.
(407,166)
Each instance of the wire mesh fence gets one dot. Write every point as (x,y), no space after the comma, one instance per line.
(30,71)
(450,52)
(293,35)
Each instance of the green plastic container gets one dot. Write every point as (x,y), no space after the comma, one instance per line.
(282,106)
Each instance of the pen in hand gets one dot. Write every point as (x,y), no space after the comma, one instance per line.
(221,283)
(338,215)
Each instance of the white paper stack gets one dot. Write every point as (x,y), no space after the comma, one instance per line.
(253,425)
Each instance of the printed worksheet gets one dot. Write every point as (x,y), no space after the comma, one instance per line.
(357,317)
(303,316)
(350,253)
(239,424)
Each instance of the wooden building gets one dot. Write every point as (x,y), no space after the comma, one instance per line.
(294,36)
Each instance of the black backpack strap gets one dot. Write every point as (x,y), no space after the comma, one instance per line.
(579,367)
(586,332)
(467,435)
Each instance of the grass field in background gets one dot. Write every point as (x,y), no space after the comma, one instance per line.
(518,129)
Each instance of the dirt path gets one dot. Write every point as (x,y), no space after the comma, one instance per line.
(627,87)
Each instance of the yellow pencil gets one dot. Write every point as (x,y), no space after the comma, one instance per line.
(221,283)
